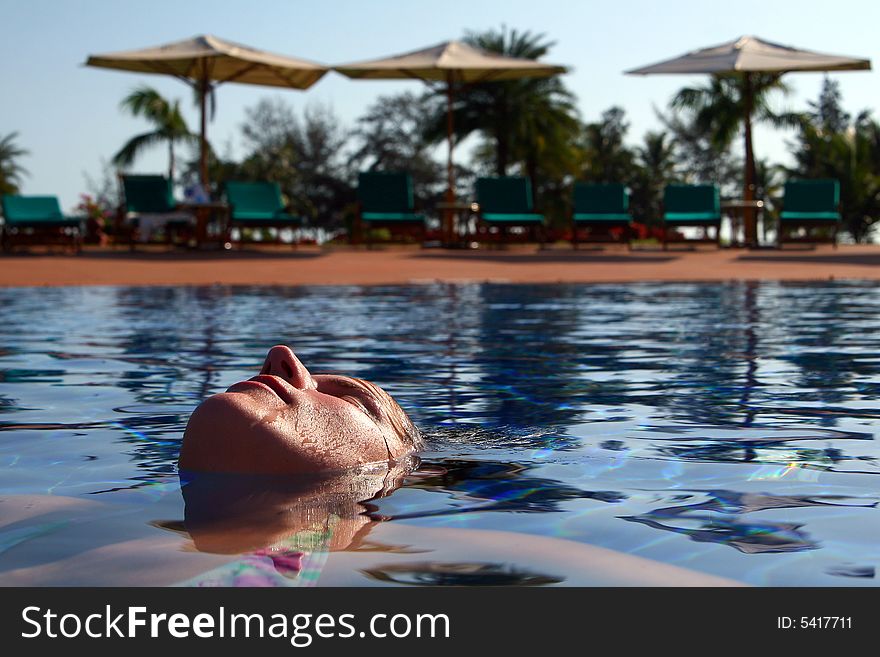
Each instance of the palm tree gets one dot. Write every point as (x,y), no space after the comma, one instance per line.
(655,166)
(657,156)
(730,102)
(606,159)
(11,172)
(165,116)
(525,120)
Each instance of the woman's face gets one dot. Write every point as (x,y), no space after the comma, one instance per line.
(286,420)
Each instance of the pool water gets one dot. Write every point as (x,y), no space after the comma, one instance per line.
(726,429)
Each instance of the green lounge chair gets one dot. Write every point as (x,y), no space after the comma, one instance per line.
(258,205)
(385,200)
(692,205)
(600,207)
(36,220)
(809,204)
(150,204)
(507,201)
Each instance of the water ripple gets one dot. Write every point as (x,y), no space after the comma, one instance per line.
(670,420)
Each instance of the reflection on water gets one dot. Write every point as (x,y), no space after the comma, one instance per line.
(459,574)
(493,486)
(283,527)
(853,570)
(671,421)
(719,519)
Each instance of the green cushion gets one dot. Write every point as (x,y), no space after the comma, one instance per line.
(254,200)
(584,217)
(512,218)
(385,192)
(600,199)
(691,217)
(35,211)
(504,195)
(692,199)
(148,194)
(809,196)
(392,216)
(809,216)
(250,216)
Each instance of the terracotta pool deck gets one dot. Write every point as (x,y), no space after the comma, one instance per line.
(402,265)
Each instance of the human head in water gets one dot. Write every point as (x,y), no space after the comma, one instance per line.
(286,420)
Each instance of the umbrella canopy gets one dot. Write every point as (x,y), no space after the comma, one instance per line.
(206,61)
(450,63)
(746,56)
(751,54)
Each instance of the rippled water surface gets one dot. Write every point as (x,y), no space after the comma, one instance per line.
(724,428)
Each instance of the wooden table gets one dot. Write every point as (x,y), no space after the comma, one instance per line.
(737,221)
(451,211)
(204,212)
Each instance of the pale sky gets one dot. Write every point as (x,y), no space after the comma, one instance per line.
(68,116)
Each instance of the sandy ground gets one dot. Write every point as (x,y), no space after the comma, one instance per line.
(395,265)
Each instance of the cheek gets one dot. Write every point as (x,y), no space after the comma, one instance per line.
(337,431)
(331,416)
(224,413)
(217,432)
(236,432)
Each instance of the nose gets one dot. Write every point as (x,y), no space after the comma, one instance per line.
(282,362)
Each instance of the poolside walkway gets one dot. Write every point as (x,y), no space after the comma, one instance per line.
(395,265)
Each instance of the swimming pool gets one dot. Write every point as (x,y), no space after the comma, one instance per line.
(727,429)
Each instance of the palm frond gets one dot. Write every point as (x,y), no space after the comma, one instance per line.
(135,146)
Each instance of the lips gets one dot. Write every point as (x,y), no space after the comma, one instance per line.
(274,384)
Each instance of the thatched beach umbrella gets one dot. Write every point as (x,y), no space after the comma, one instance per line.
(450,64)
(748,56)
(204,62)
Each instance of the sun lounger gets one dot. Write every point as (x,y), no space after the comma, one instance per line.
(809,204)
(386,200)
(600,207)
(258,205)
(689,206)
(150,206)
(38,220)
(506,202)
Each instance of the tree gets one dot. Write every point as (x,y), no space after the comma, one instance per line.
(605,158)
(524,121)
(529,125)
(645,169)
(826,113)
(698,158)
(11,171)
(390,137)
(728,103)
(655,165)
(167,120)
(830,144)
(306,157)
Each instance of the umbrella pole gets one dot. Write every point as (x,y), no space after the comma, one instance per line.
(750,225)
(203,151)
(450,175)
